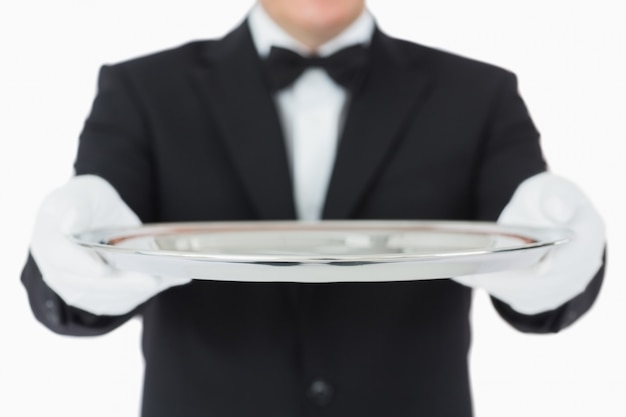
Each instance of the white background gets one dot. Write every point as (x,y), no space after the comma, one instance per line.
(569,56)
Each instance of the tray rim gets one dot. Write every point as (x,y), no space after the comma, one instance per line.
(97,240)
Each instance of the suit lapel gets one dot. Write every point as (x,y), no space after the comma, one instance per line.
(393,90)
(234,89)
(233,86)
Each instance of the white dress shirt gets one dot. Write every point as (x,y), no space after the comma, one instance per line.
(311,109)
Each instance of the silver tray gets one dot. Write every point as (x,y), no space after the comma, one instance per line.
(325,251)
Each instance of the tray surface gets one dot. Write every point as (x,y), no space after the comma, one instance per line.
(324,251)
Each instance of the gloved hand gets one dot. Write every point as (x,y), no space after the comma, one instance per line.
(546,200)
(81,278)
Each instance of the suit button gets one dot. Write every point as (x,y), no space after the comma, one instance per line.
(52,312)
(320,392)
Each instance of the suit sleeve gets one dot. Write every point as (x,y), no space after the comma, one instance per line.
(51,311)
(512,153)
(554,320)
(113,145)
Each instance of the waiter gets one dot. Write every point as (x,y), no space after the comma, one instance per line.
(246,128)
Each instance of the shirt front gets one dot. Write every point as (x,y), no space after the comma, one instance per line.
(311,110)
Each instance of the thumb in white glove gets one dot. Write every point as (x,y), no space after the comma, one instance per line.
(546,200)
(79,277)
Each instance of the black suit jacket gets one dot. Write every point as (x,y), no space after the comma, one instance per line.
(192,134)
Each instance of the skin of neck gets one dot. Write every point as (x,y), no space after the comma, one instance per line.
(315,25)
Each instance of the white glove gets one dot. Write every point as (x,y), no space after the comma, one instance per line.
(546,200)
(79,277)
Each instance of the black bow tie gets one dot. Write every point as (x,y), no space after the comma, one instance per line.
(345,66)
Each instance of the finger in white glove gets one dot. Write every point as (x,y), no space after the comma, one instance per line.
(78,276)
(547,200)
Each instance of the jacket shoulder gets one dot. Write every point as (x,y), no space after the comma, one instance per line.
(444,63)
(182,55)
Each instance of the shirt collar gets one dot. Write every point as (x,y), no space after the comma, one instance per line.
(266,33)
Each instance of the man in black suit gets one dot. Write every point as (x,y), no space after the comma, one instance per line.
(214,131)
